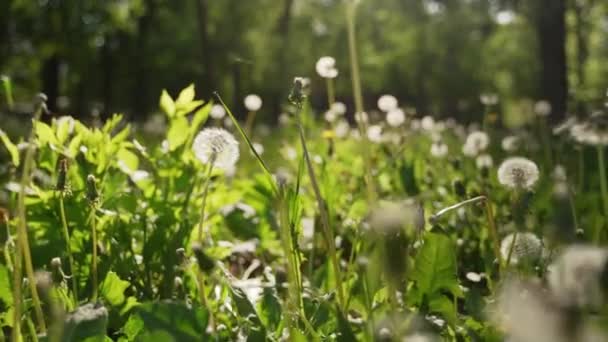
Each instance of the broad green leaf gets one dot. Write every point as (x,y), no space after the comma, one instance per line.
(127,160)
(12,148)
(166,104)
(133,327)
(435,265)
(173,319)
(6,296)
(344,329)
(443,305)
(44,133)
(177,134)
(185,96)
(113,288)
(112,123)
(270,309)
(199,118)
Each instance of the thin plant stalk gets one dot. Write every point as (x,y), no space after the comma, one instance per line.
(23,247)
(203,297)
(329,236)
(205,193)
(331,95)
(358,95)
(94,260)
(68,249)
(603,184)
(249,122)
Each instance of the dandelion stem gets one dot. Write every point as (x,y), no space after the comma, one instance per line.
(357,93)
(68,249)
(23,247)
(94,260)
(603,185)
(205,193)
(203,297)
(249,122)
(331,97)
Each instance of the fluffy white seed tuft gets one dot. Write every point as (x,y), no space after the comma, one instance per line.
(216,146)
(518,173)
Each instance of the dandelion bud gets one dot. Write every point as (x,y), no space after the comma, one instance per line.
(205,263)
(92,193)
(56,263)
(523,247)
(181,256)
(62,175)
(297,96)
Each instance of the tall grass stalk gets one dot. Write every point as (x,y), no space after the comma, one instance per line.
(331,93)
(94,260)
(205,194)
(329,236)
(351,9)
(23,246)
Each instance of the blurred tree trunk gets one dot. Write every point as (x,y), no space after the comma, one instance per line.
(282,49)
(208,82)
(140,56)
(107,65)
(550,19)
(50,80)
(580,9)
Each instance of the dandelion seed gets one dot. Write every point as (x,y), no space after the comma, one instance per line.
(593,131)
(475,143)
(216,146)
(575,278)
(565,126)
(330,116)
(339,108)
(391,217)
(488,99)
(526,248)
(427,123)
(542,108)
(374,133)
(284,119)
(253,103)
(217,112)
(342,129)
(510,143)
(326,67)
(259,148)
(484,161)
(474,277)
(395,117)
(361,117)
(439,150)
(386,103)
(518,173)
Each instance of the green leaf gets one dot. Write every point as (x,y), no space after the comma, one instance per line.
(133,327)
(185,96)
(270,309)
(199,118)
(44,133)
(172,319)
(166,104)
(177,135)
(12,148)
(128,161)
(435,265)
(344,329)
(113,288)
(444,306)
(6,296)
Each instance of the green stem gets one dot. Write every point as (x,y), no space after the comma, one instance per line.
(368,307)
(205,193)
(329,236)
(358,95)
(94,260)
(203,297)
(23,247)
(249,123)
(603,185)
(66,236)
(331,97)
(511,248)
(493,234)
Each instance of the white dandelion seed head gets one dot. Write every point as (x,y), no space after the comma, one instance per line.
(361,117)
(518,173)
(338,108)
(427,123)
(253,103)
(488,99)
(575,276)
(228,122)
(510,143)
(389,217)
(476,142)
(565,126)
(439,149)
(217,112)
(284,119)
(217,146)
(330,116)
(542,108)
(326,67)
(342,128)
(259,148)
(474,277)
(374,133)
(386,103)
(593,131)
(526,248)
(484,161)
(290,153)
(395,117)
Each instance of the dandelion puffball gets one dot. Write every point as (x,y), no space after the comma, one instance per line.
(475,143)
(518,173)
(253,103)
(439,149)
(217,112)
(542,108)
(395,117)
(217,146)
(374,133)
(339,108)
(326,67)
(386,103)
(527,247)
